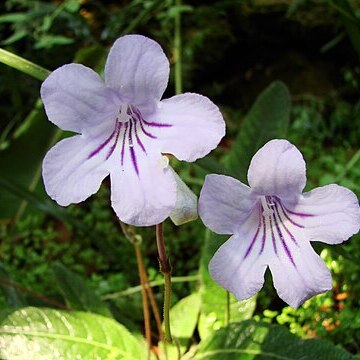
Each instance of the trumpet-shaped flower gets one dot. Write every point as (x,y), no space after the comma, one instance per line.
(272,224)
(124,128)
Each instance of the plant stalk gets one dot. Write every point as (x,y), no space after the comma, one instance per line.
(165,268)
(23,65)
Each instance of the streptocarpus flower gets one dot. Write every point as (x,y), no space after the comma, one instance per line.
(124,130)
(272,224)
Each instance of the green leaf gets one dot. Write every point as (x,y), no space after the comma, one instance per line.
(214,297)
(48,41)
(249,340)
(35,333)
(16,36)
(267,119)
(78,296)
(184,315)
(13,17)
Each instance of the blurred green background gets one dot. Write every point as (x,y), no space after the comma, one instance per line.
(231,52)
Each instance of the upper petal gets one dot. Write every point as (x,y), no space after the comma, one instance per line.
(76,99)
(278,168)
(195,126)
(330,214)
(145,198)
(138,70)
(224,204)
(69,175)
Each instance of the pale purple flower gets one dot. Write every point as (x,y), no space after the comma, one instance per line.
(124,130)
(272,224)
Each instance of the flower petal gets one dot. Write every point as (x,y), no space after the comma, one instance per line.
(224,204)
(138,70)
(196,126)
(302,277)
(146,198)
(237,269)
(330,214)
(278,168)
(76,99)
(69,175)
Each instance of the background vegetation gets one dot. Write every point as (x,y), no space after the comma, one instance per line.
(305,53)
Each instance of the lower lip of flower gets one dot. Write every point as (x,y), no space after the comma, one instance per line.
(129,129)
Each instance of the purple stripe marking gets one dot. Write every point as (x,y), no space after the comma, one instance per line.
(155,124)
(118,129)
(263,237)
(132,150)
(254,238)
(137,137)
(287,216)
(123,144)
(145,132)
(287,251)
(100,147)
(297,213)
(273,236)
(284,226)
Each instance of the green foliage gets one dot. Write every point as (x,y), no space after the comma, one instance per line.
(77,294)
(323,122)
(267,119)
(31,143)
(34,333)
(40,21)
(214,300)
(13,297)
(255,340)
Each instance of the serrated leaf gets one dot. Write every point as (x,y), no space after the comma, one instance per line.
(267,119)
(39,334)
(78,296)
(214,298)
(249,340)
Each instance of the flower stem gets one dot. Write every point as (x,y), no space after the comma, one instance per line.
(165,268)
(177,50)
(23,65)
(153,304)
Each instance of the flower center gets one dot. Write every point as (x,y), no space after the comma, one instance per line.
(130,131)
(124,114)
(277,226)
